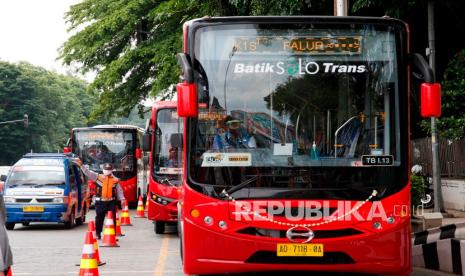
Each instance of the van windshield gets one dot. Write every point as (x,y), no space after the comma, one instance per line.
(36,176)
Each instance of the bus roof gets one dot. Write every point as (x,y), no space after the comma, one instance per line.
(47,155)
(298,18)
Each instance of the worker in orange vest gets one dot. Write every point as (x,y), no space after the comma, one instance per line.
(108,192)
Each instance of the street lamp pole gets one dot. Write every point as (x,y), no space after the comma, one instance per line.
(431,51)
(25,120)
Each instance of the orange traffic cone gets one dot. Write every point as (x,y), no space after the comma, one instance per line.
(88,262)
(140,209)
(91,228)
(147,203)
(118,226)
(109,237)
(125,219)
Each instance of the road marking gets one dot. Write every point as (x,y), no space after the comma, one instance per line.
(162,257)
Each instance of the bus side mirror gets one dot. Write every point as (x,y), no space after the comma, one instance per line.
(138,153)
(430,90)
(430,100)
(187,99)
(146,141)
(3,178)
(187,73)
(66,150)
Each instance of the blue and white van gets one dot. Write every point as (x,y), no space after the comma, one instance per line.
(45,187)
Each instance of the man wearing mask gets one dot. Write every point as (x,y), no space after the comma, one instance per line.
(108,192)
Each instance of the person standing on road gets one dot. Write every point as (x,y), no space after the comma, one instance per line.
(6,257)
(108,192)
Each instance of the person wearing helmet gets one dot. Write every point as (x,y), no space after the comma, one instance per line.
(108,192)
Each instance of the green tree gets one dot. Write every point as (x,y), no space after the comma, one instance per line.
(132,45)
(54,103)
(451,125)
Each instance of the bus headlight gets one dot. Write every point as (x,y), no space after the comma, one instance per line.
(160,199)
(9,199)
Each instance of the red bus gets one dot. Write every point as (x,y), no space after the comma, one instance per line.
(296,145)
(115,144)
(163,138)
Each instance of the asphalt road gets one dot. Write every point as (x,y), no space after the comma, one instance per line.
(50,249)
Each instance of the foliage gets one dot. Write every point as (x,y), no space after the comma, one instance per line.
(131,45)
(53,102)
(451,125)
(418,189)
(393,8)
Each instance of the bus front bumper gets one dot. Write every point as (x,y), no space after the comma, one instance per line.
(160,212)
(207,251)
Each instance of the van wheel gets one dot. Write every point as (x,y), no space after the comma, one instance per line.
(159,227)
(72,220)
(9,225)
(84,213)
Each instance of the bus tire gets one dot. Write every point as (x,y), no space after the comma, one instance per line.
(159,227)
(26,223)
(71,221)
(181,252)
(9,225)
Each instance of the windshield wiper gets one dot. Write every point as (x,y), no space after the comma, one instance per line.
(166,181)
(50,184)
(27,184)
(239,186)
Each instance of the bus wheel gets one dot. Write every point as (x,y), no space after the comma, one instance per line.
(72,220)
(159,227)
(180,242)
(9,225)
(26,223)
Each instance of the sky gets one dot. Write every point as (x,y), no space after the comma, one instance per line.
(33,30)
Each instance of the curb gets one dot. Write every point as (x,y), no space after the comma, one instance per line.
(443,255)
(451,231)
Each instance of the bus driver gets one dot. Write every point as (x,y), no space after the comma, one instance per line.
(233,137)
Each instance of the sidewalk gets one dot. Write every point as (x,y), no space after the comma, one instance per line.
(420,271)
(453,216)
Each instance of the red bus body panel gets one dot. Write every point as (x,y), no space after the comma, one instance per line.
(129,187)
(156,211)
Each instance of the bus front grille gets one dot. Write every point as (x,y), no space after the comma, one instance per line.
(319,234)
(269,257)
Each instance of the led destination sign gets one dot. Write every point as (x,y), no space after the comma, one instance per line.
(299,45)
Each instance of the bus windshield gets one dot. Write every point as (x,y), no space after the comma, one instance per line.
(298,107)
(96,147)
(167,154)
